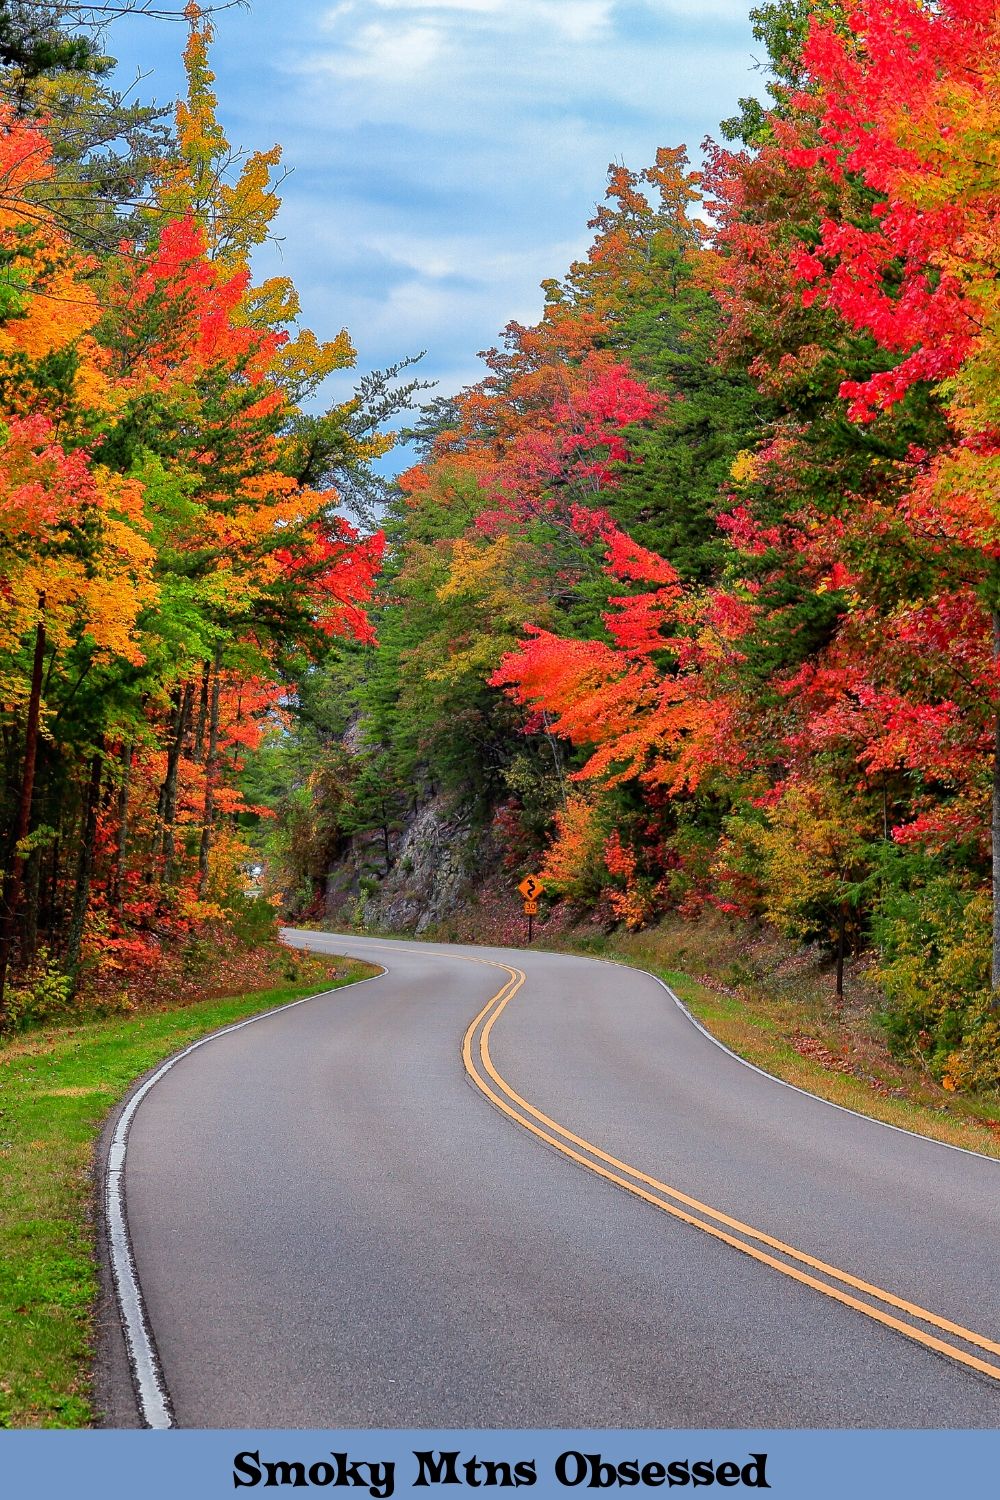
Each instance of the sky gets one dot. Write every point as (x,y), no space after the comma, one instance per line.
(445,155)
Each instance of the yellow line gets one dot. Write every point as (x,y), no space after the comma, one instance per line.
(661,1187)
(561,1136)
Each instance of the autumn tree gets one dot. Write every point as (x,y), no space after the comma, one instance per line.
(166,571)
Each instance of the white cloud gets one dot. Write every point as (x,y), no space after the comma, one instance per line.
(463,257)
(446,154)
(507,77)
(380,50)
(476,7)
(583,20)
(396,41)
(402,290)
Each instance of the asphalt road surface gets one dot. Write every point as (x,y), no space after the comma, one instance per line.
(581,1212)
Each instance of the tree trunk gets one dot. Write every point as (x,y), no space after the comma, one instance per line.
(556,758)
(176,704)
(199,734)
(115,895)
(12,889)
(841,945)
(84,867)
(211,769)
(52,913)
(32,897)
(169,791)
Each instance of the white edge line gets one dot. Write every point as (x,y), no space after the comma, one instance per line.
(845,1109)
(150,1390)
(617,963)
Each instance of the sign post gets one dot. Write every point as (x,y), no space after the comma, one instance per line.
(531,888)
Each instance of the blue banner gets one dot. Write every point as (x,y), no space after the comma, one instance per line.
(189,1465)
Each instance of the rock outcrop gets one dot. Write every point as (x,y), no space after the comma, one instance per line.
(410,880)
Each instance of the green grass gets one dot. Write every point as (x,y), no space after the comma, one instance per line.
(56,1087)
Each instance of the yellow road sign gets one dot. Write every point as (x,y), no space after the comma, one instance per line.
(531,888)
(531,908)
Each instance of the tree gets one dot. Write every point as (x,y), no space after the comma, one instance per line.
(162,569)
(920,276)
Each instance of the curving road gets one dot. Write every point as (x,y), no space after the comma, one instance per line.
(578,1211)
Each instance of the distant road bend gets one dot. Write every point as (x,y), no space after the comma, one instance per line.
(495,1188)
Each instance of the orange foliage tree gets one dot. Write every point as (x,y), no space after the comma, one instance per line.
(164,570)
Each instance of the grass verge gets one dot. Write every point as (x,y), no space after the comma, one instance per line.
(56,1087)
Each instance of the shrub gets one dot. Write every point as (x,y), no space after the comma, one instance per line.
(38,994)
(933,927)
(252,919)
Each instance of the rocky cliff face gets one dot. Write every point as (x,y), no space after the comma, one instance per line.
(414,878)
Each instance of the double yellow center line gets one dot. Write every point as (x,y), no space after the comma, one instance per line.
(905,1317)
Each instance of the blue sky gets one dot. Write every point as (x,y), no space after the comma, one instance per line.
(446,155)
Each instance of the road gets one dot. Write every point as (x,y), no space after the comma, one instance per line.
(596,1217)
